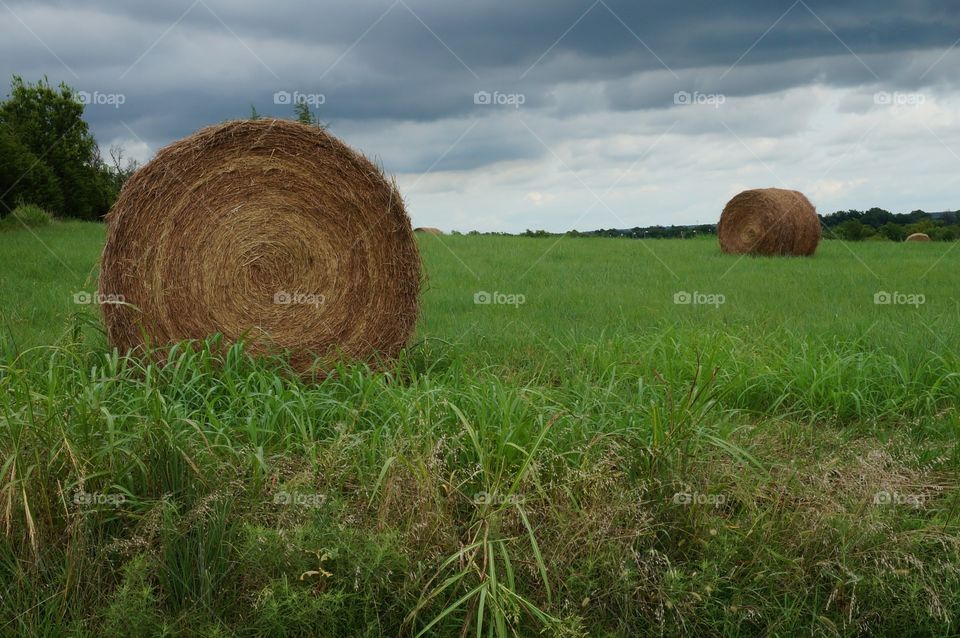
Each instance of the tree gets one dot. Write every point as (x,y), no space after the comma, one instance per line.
(876,217)
(121,170)
(893,232)
(853,230)
(24,178)
(49,122)
(254,114)
(304,114)
(946,233)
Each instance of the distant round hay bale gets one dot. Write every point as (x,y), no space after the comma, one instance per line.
(769,221)
(268,231)
(428,230)
(918,237)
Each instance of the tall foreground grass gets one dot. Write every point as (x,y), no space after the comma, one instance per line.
(595,461)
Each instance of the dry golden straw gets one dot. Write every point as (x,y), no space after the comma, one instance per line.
(268,231)
(769,221)
(918,237)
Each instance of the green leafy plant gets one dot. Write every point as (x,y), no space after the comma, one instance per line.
(26,215)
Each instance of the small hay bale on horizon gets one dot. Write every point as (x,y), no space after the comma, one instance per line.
(769,221)
(918,237)
(268,231)
(428,230)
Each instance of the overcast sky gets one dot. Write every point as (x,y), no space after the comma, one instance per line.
(555,114)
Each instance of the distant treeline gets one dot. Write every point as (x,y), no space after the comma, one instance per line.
(647,232)
(876,223)
(849,225)
(650,232)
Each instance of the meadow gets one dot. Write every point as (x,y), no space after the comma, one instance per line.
(596,437)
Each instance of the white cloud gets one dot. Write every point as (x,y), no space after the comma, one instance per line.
(841,158)
(539,199)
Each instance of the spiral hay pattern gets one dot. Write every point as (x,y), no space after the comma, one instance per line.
(769,221)
(268,231)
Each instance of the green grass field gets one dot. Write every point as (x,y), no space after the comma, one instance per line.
(780,459)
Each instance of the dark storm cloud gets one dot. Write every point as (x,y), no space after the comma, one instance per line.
(181,65)
(514,34)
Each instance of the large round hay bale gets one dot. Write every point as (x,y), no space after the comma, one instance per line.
(428,230)
(918,237)
(267,231)
(769,221)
